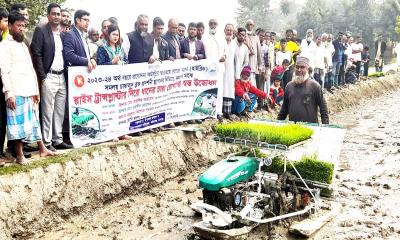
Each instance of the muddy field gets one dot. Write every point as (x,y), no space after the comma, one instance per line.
(367,183)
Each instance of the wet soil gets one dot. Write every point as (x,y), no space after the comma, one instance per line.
(367,183)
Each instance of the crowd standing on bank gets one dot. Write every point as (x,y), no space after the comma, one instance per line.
(261,72)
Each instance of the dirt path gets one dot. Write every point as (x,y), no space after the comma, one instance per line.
(368,180)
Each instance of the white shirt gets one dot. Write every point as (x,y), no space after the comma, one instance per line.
(357,47)
(156,54)
(214,47)
(320,54)
(192,48)
(17,72)
(329,51)
(308,51)
(85,43)
(280,56)
(58,61)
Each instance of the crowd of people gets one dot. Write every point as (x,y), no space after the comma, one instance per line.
(261,72)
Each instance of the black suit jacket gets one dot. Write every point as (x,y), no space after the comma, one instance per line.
(141,48)
(163,50)
(42,49)
(383,48)
(185,48)
(171,44)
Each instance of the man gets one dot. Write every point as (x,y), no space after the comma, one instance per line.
(104,29)
(181,31)
(213,45)
(76,53)
(242,52)
(76,48)
(23,10)
(357,48)
(380,48)
(337,59)
(261,77)
(171,36)
(93,38)
(200,30)
(255,62)
(160,49)
(308,47)
(320,62)
(303,97)
(329,52)
(20,89)
(65,20)
(139,44)
(191,47)
(46,49)
(3,118)
(228,91)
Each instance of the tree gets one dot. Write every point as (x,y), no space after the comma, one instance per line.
(37,8)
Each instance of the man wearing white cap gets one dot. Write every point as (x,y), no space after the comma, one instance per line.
(303,96)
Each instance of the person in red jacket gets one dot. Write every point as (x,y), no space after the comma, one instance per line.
(246,94)
(276,93)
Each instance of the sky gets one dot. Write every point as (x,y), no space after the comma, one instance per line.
(184,10)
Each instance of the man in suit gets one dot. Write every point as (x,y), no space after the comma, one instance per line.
(76,53)
(46,49)
(160,48)
(172,39)
(191,47)
(140,43)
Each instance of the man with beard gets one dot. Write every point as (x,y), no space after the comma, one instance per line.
(303,97)
(48,60)
(171,36)
(228,91)
(65,20)
(242,52)
(255,59)
(20,89)
(139,45)
(191,47)
(308,47)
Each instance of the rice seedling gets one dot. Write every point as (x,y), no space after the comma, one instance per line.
(273,134)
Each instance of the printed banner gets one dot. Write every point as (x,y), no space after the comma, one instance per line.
(120,99)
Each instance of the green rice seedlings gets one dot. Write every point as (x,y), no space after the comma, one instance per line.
(273,134)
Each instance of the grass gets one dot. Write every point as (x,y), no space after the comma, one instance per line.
(62,158)
(376,74)
(273,134)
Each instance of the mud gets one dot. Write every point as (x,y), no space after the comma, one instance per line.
(367,183)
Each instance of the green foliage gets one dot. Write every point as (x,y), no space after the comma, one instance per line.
(286,134)
(376,74)
(36,8)
(309,167)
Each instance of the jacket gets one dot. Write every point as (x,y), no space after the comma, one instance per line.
(141,48)
(43,50)
(171,39)
(73,48)
(246,87)
(163,49)
(185,48)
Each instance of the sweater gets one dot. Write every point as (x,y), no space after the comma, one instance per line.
(242,87)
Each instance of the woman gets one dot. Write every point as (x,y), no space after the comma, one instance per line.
(111,53)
